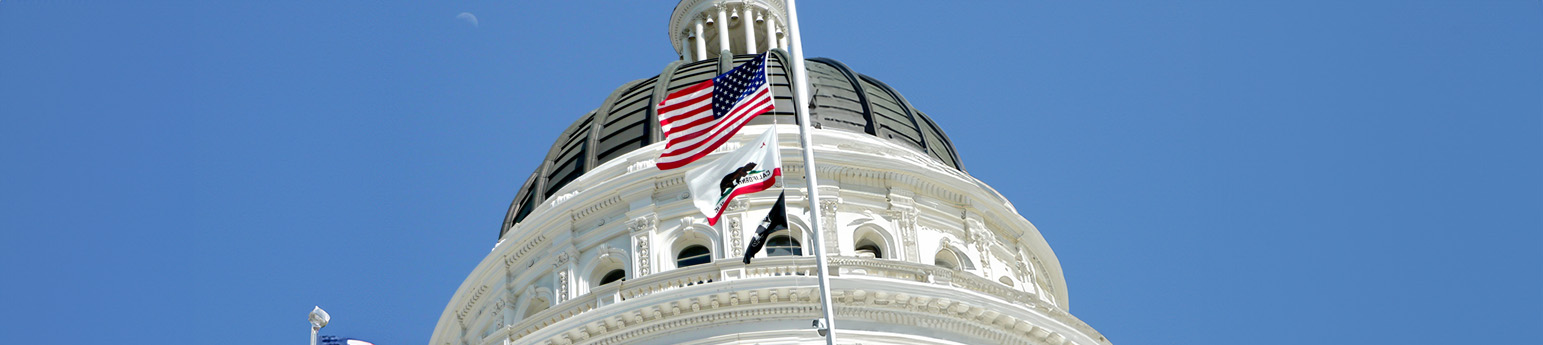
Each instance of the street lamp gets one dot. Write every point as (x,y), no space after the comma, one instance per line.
(319,319)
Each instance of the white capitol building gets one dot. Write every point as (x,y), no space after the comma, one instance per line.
(601,247)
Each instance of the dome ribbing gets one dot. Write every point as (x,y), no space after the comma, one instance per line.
(843,100)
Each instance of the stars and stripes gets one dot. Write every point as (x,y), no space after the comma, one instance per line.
(336,340)
(700,118)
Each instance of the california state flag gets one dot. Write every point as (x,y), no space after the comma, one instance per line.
(752,168)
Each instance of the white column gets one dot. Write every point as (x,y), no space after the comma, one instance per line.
(701,41)
(748,17)
(685,50)
(771,32)
(723,29)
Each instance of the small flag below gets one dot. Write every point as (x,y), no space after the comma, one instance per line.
(336,340)
(752,168)
(775,220)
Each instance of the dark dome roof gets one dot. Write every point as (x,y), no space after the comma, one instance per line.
(844,100)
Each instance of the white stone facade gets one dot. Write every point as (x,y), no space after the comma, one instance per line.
(954,262)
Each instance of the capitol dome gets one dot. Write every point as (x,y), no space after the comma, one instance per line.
(601,247)
(844,100)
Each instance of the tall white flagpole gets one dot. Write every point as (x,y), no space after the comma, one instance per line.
(801,108)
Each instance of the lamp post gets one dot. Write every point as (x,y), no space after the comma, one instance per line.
(319,319)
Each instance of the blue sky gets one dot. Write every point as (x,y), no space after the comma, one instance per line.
(1208,172)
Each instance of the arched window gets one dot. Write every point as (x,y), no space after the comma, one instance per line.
(783,245)
(693,255)
(871,242)
(946,259)
(608,268)
(1006,281)
(866,248)
(536,306)
(613,276)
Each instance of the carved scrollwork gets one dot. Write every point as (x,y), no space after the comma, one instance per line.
(562,286)
(642,252)
(906,223)
(739,205)
(828,207)
(828,223)
(736,233)
(562,259)
(644,223)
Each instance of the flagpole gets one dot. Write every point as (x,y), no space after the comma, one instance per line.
(801,108)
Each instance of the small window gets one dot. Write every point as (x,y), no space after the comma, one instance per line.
(783,245)
(693,255)
(1006,281)
(613,276)
(867,249)
(946,259)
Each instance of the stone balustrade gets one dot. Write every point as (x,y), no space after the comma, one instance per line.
(793,267)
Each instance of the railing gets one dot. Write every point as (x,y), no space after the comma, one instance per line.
(664,281)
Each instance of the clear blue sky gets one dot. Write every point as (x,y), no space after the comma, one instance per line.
(1208,172)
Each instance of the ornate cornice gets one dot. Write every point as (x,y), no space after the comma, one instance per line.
(470,305)
(920,295)
(947,318)
(599,205)
(510,259)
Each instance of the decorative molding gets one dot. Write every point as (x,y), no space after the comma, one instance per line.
(643,223)
(996,316)
(562,285)
(906,220)
(641,242)
(872,149)
(736,236)
(560,260)
(642,229)
(978,235)
(739,205)
(559,199)
(510,260)
(828,208)
(470,305)
(669,181)
(597,206)
(902,208)
(1039,275)
(922,312)
(688,221)
(640,165)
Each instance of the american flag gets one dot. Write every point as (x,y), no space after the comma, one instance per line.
(699,118)
(336,340)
